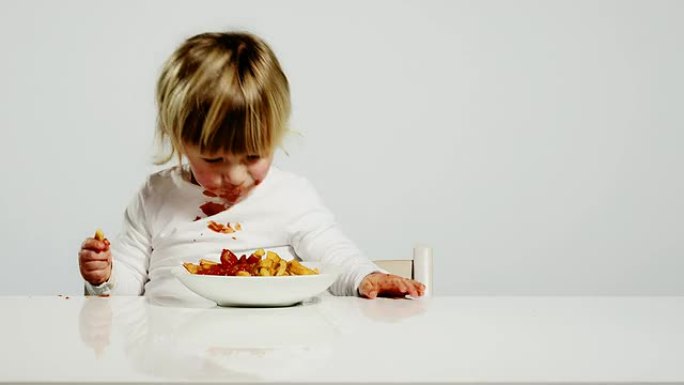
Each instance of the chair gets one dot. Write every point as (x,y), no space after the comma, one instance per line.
(418,268)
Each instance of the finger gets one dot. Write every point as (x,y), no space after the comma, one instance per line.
(94,244)
(369,291)
(96,277)
(403,287)
(396,286)
(368,287)
(94,266)
(89,255)
(409,287)
(413,289)
(421,289)
(416,288)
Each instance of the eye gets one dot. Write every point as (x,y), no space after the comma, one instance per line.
(213,160)
(253,158)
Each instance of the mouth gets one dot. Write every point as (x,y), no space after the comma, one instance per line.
(230,196)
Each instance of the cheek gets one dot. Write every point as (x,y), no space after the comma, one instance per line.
(205,177)
(259,170)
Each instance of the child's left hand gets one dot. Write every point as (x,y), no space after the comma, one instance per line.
(388,285)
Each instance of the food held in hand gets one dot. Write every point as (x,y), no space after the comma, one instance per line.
(99,235)
(260,263)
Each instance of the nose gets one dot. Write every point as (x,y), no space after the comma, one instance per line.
(236,174)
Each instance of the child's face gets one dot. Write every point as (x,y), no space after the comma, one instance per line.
(227,176)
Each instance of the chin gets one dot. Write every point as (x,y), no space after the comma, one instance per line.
(233,199)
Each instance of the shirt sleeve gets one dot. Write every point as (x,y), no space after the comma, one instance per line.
(130,255)
(317,237)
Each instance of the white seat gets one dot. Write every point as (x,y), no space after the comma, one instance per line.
(419,267)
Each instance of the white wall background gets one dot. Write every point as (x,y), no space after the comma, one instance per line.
(536,145)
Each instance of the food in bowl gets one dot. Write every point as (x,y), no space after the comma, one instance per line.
(260,263)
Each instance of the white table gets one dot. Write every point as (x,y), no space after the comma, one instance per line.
(344,339)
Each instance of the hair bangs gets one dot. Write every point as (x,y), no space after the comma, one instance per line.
(230,124)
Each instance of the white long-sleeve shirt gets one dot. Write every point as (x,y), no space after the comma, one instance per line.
(283,213)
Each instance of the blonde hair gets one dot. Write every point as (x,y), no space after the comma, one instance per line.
(222,92)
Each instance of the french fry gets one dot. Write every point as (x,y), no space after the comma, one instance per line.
(191,267)
(297,268)
(99,235)
(206,264)
(281,269)
(266,263)
(272,256)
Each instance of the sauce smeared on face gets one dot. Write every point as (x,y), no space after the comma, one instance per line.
(224,175)
(232,196)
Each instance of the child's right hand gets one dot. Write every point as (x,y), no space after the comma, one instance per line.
(95,259)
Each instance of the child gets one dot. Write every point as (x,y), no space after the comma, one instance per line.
(223,104)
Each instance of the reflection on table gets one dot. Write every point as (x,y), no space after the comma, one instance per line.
(195,340)
(343,340)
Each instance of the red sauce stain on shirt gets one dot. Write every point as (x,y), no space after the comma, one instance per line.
(212,208)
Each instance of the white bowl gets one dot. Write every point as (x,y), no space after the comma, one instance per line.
(259,291)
